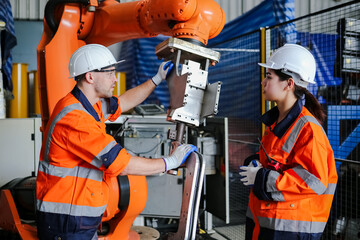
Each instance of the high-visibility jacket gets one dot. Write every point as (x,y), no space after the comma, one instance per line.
(76,156)
(294,204)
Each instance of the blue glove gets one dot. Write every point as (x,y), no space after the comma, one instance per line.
(179,156)
(255,163)
(248,160)
(162,73)
(248,173)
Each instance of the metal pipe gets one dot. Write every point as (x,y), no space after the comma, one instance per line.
(180,130)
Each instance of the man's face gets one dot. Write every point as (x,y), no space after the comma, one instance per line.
(105,82)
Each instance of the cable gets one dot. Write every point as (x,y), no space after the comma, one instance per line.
(152,149)
(50,9)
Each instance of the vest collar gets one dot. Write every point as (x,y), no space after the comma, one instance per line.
(80,96)
(270,117)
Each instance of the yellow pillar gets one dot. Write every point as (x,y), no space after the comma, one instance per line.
(120,85)
(262,74)
(18,107)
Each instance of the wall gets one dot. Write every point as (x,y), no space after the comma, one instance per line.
(28,35)
(34,9)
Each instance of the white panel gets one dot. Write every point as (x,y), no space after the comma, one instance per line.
(301,7)
(22,9)
(42,5)
(305,7)
(235,8)
(248,5)
(17,155)
(225,5)
(34,9)
(14,7)
(33,6)
(13,3)
(28,9)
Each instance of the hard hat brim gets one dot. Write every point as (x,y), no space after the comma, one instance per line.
(120,61)
(267,66)
(114,64)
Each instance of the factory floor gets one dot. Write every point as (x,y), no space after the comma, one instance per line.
(234,232)
(217,236)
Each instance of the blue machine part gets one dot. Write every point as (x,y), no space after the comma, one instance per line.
(335,114)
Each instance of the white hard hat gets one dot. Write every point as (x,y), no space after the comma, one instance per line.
(90,57)
(294,60)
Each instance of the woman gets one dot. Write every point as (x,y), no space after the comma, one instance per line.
(293,176)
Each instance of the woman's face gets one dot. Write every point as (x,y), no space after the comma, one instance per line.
(273,87)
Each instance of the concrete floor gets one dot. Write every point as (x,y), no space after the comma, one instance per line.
(217,236)
(236,232)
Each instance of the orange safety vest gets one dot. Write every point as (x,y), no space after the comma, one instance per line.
(297,202)
(76,156)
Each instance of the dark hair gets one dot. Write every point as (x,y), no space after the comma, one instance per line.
(80,77)
(311,103)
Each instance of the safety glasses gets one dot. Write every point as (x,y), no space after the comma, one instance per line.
(111,72)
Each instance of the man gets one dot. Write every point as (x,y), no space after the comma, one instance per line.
(77,154)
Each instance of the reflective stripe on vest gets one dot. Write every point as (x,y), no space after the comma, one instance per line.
(313,182)
(76,106)
(105,105)
(290,141)
(82,172)
(62,172)
(97,160)
(291,225)
(62,113)
(70,209)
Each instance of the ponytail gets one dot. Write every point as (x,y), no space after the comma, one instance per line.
(311,103)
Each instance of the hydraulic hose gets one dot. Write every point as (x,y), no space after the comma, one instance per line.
(50,8)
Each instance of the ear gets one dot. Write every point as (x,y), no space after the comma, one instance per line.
(89,77)
(290,83)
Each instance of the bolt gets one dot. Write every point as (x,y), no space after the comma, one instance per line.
(91,9)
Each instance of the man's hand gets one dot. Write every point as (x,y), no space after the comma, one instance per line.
(179,156)
(248,173)
(163,70)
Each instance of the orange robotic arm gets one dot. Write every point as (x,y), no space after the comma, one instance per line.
(70,24)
